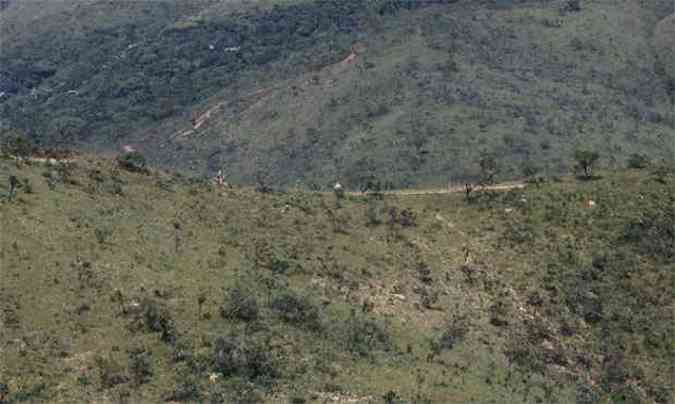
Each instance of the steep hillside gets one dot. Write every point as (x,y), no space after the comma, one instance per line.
(309,91)
(149,286)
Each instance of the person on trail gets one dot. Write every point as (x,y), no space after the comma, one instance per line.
(13,184)
(220,179)
(469,189)
(339,193)
(339,190)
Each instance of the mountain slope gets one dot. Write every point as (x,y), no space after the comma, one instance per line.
(143,287)
(409,92)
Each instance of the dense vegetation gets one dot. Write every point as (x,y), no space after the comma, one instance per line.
(122,283)
(433,85)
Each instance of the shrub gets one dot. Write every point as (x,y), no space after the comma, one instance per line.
(140,366)
(132,161)
(391,397)
(405,218)
(246,359)
(27,186)
(111,372)
(240,304)
(157,319)
(586,160)
(19,145)
(653,234)
(456,328)
(187,389)
(638,161)
(372,212)
(364,335)
(297,310)
(662,171)
(102,234)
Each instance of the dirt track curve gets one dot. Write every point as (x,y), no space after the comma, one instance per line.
(506,186)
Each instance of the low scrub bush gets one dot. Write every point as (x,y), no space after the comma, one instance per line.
(247,359)
(156,318)
(363,335)
(132,161)
(297,310)
(111,372)
(240,304)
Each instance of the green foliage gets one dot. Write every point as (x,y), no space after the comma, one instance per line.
(240,304)
(586,160)
(157,318)
(132,161)
(297,310)
(410,109)
(488,168)
(17,143)
(638,161)
(364,336)
(245,358)
(654,233)
(110,372)
(140,366)
(455,331)
(584,284)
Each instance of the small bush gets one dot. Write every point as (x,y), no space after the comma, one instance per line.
(297,310)
(140,366)
(102,234)
(372,212)
(363,336)
(240,304)
(391,397)
(27,186)
(246,359)
(157,319)
(111,372)
(638,161)
(132,161)
(19,145)
(187,389)
(586,161)
(457,327)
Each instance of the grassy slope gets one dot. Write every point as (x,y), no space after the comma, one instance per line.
(558,302)
(430,90)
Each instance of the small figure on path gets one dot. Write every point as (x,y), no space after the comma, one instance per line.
(339,190)
(469,189)
(339,193)
(220,179)
(13,185)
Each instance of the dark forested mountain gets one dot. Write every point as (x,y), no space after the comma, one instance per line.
(410,92)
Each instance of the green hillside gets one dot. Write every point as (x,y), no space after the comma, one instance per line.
(271,85)
(121,287)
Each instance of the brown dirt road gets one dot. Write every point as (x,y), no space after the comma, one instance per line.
(506,186)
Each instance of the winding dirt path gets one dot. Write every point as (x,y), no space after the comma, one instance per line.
(506,186)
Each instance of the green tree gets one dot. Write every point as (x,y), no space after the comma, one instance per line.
(132,161)
(638,161)
(586,160)
(17,143)
(488,168)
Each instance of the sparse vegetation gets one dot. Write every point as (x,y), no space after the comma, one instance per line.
(586,161)
(132,161)
(544,279)
(124,282)
(408,109)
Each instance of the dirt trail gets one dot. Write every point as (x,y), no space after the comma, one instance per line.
(251,98)
(506,186)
